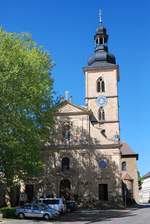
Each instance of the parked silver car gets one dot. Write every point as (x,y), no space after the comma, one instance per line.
(54,203)
(35,211)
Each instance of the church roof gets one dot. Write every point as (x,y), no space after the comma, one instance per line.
(126,151)
(101,57)
(147,175)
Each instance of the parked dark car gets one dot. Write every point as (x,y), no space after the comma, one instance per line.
(54,203)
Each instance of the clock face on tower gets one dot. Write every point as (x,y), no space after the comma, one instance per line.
(101,101)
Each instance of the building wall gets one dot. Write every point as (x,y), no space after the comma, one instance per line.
(111,129)
(84,174)
(110,76)
(133,173)
(83,129)
(145,191)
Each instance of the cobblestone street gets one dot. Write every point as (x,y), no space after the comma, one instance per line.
(138,215)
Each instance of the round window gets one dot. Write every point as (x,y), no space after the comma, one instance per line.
(103,163)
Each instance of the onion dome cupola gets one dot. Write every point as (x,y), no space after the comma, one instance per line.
(101,55)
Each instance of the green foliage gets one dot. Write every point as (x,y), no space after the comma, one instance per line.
(8,212)
(26,105)
(140,180)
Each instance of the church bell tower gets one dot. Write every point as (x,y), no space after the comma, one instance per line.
(101,91)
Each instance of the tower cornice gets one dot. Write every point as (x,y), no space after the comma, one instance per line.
(105,67)
(102,67)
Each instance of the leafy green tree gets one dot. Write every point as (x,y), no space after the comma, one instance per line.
(26,106)
(140,180)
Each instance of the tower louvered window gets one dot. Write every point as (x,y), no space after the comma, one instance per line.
(100,85)
(101,114)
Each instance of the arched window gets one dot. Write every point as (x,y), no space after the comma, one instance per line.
(101,114)
(97,41)
(65,164)
(66,132)
(103,86)
(124,166)
(100,85)
(101,40)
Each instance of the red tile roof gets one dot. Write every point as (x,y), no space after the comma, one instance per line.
(127,151)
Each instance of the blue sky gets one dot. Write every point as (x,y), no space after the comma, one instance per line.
(66,28)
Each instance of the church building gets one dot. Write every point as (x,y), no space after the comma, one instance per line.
(86,159)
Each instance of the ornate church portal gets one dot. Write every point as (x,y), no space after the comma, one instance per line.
(65,188)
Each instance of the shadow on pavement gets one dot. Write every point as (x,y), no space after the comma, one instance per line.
(140,206)
(91,216)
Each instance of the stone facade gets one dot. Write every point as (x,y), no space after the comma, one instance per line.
(85,152)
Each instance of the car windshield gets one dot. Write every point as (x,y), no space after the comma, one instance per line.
(27,206)
(43,207)
(51,202)
(35,207)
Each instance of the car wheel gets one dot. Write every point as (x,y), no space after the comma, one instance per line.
(62,211)
(46,217)
(68,209)
(21,215)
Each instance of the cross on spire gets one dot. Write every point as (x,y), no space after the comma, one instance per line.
(100,16)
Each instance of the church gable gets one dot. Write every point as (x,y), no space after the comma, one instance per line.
(67,108)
